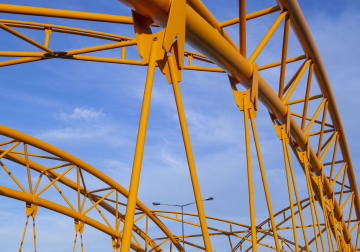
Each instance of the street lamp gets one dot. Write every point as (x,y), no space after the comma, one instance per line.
(182,214)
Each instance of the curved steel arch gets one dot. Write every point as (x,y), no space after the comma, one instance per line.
(62,155)
(200,34)
(31,199)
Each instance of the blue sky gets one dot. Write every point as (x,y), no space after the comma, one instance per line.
(92,110)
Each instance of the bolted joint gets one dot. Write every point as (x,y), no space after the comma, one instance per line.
(31,209)
(249,98)
(79,226)
(283,131)
(57,54)
(115,243)
(243,100)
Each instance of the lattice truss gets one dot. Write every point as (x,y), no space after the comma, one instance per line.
(327,220)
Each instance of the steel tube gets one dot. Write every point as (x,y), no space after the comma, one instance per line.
(31,199)
(74,160)
(138,156)
(71,184)
(250,178)
(307,42)
(189,155)
(46,12)
(202,36)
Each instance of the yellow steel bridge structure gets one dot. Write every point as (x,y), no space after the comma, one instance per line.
(327,220)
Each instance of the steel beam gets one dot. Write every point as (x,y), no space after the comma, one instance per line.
(208,41)
(46,12)
(85,166)
(307,42)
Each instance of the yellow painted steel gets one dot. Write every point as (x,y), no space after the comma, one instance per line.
(284,56)
(67,182)
(266,191)
(63,29)
(297,198)
(140,142)
(242,27)
(250,179)
(284,139)
(101,47)
(251,16)
(296,81)
(18,34)
(189,154)
(266,38)
(215,46)
(65,156)
(278,63)
(26,10)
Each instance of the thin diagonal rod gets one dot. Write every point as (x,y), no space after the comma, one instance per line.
(266,38)
(267,195)
(75,241)
(242,27)
(334,158)
(290,194)
(250,180)
(189,155)
(322,129)
(57,178)
(139,149)
(82,244)
(13,177)
(23,37)
(307,93)
(22,240)
(296,81)
(308,182)
(34,234)
(284,55)
(297,198)
(28,168)
(323,206)
(317,219)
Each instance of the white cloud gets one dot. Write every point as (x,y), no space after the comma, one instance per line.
(93,133)
(82,114)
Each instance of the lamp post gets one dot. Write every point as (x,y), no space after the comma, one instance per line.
(182,214)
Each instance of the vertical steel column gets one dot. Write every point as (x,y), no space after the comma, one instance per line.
(47,37)
(284,143)
(297,198)
(266,190)
(250,180)
(189,154)
(182,225)
(284,56)
(139,149)
(242,27)
(309,185)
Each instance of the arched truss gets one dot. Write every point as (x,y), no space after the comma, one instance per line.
(237,234)
(85,196)
(193,22)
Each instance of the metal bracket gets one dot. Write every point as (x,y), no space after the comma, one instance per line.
(250,96)
(175,29)
(283,131)
(318,181)
(165,67)
(115,243)
(79,227)
(145,37)
(304,158)
(31,209)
